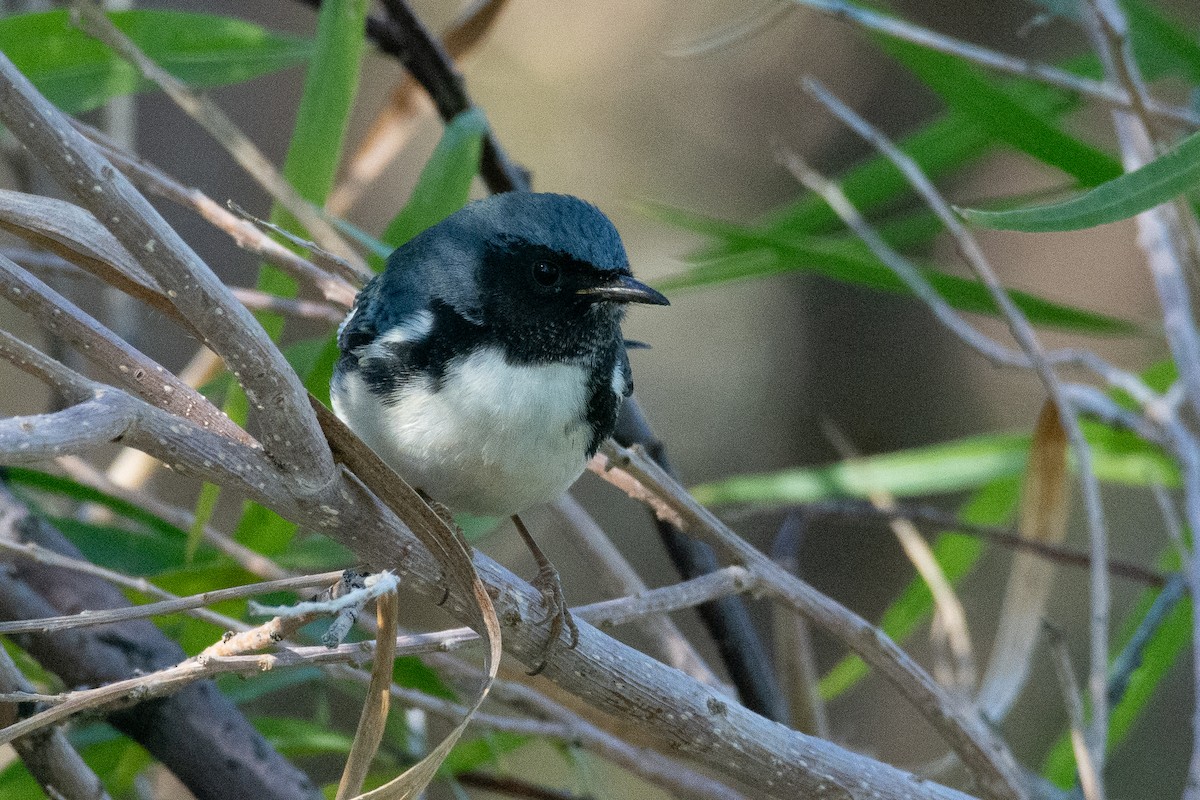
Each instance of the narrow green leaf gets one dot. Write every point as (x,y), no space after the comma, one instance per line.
(1163,179)
(445,182)
(330,86)
(1162,46)
(315,149)
(78,73)
(482,750)
(955,466)
(1119,456)
(851,262)
(57,484)
(1004,113)
(206,503)
(295,737)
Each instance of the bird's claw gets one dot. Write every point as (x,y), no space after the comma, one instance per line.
(557,613)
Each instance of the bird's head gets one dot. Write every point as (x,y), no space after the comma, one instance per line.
(532,264)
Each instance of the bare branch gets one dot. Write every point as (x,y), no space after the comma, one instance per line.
(985,755)
(273,388)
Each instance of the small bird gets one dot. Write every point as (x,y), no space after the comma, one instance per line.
(486,363)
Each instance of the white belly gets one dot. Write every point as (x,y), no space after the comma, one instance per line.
(495,439)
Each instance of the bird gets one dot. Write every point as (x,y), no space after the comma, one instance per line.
(486,363)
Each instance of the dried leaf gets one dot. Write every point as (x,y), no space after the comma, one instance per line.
(1044,506)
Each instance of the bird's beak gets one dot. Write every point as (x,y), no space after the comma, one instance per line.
(626,289)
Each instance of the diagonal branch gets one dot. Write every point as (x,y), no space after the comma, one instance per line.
(984,754)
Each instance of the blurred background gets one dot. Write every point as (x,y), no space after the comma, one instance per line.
(743,376)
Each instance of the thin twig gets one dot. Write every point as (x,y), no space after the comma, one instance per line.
(87,618)
(1023,333)
(984,754)
(1093,787)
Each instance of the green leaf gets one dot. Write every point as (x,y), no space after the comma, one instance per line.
(1003,113)
(1118,456)
(330,86)
(955,466)
(245,688)
(479,751)
(78,73)
(298,737)
(315,148)
(1161,46)
(56,484)
(956,553)
(1155,183)
(851,262)
(445,182)
(132,552)
(206,503)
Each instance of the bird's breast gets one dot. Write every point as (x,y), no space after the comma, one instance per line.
(490,437)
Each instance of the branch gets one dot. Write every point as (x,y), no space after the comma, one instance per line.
(47,754)
(198,733)
(984,754)
(272,386)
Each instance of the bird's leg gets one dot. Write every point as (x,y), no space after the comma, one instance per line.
(550,585)
(447,517)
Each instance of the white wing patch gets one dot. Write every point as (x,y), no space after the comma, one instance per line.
(412,330)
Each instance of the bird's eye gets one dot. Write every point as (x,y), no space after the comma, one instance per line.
(545,273)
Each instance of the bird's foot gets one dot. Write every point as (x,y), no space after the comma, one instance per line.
(549,584)
(339,629)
